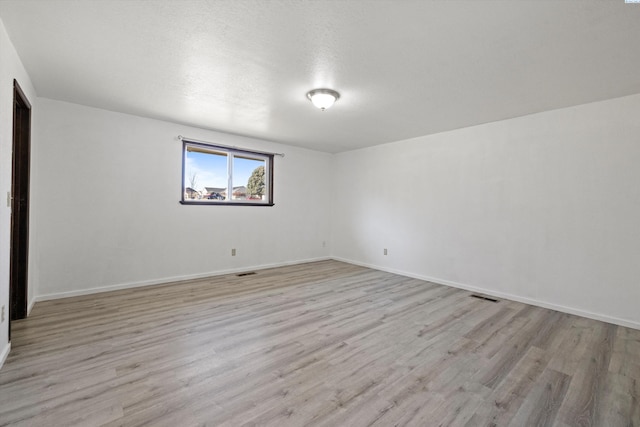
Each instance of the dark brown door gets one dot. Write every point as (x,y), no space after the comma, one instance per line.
(20,204)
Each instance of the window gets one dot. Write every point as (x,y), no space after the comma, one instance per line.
(218,175)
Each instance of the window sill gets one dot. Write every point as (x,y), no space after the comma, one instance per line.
(182,202)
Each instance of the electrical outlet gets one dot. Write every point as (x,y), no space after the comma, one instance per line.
(2,315)
(324,244)
(8,199)
(233,252)
(385,251)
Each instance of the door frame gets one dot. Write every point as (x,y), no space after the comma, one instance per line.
(20,175)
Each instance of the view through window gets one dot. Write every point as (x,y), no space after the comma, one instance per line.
(219,175)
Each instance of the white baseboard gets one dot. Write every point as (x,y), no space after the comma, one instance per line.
(5,354)
(30,306)
(68,294)
(503,295)
(525,300)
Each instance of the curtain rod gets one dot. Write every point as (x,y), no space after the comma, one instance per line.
(184,138)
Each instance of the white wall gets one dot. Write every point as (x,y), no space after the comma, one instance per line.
(543,208)
(10,68)
(108,212)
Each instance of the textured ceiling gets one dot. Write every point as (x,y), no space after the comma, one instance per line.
(404,68)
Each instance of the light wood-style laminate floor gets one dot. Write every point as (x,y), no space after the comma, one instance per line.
(324,343)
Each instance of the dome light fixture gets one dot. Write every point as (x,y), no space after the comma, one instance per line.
(323,98)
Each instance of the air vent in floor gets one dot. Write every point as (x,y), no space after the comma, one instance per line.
(483,297)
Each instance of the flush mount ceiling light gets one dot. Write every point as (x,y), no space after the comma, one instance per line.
(323,98)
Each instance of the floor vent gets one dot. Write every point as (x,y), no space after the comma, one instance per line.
(484,298)
(246,274)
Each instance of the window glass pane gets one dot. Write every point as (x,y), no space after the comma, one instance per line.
(221,175)
(206,175)
(249,181)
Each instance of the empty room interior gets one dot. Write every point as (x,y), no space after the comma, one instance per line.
(328,213)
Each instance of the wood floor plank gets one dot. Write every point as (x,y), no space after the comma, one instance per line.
(502,404)
(543,405)
(584,402)
(318,344)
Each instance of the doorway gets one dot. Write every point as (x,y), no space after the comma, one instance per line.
(19,205)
